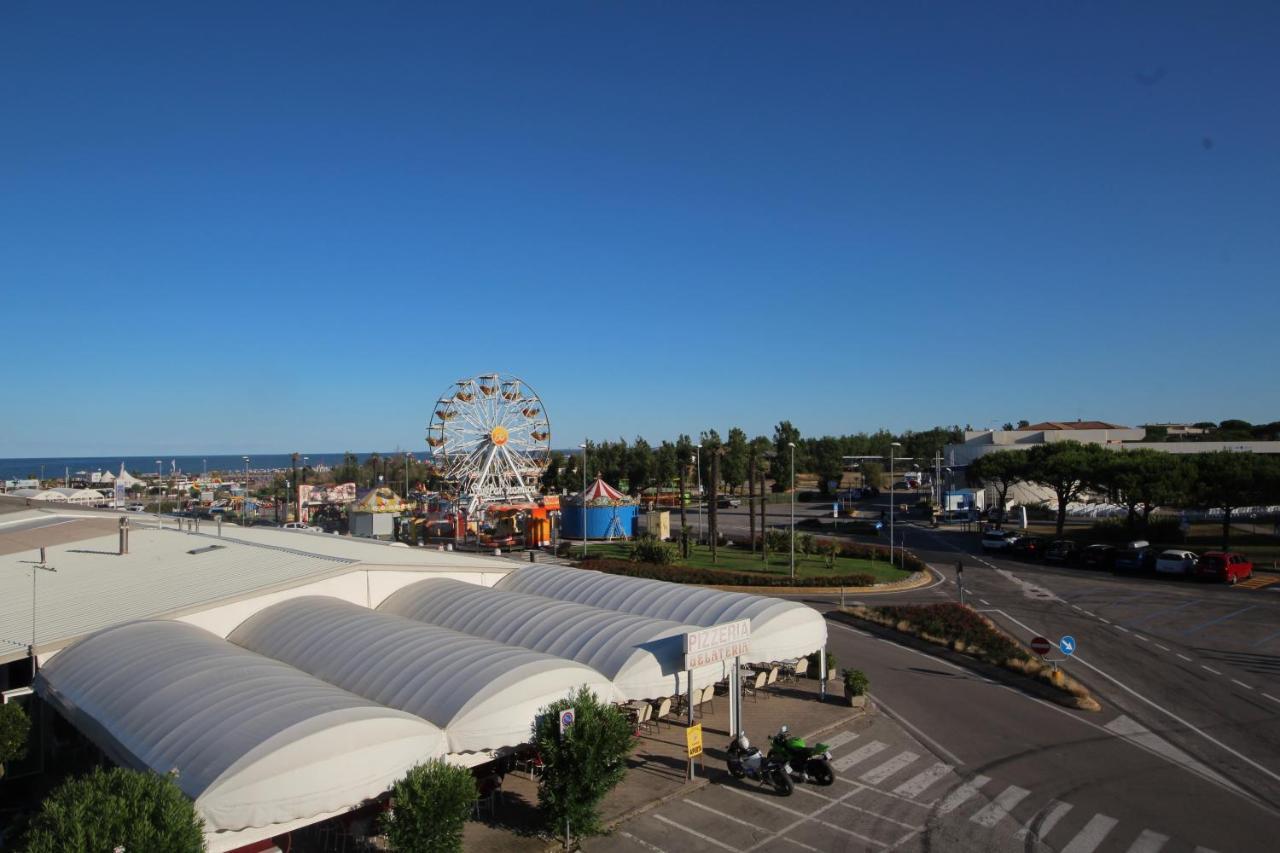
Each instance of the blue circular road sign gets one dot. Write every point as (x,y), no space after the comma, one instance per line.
(1068,645)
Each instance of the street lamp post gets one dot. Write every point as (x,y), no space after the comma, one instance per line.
(892,453)
(159,489)
(244,503)
(792,445)
(39,567)
(699,466)
(582,499)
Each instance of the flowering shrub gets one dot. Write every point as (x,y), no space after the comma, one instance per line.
(956,625)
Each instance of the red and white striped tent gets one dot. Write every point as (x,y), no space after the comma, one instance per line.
(602,491)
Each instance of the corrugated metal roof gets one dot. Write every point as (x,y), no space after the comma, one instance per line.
(93,587)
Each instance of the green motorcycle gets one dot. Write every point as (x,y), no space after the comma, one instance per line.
(806,763)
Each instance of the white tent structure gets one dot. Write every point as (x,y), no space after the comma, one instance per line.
(643,657)
(83,497)
(484,695)
(259,746)
(51,495)
(126,479)
(780,629)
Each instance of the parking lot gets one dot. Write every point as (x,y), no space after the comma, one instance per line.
(892,793)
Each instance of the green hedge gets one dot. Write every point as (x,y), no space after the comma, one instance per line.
(952,622)
(684,574)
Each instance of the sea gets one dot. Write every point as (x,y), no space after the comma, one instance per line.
(60,466)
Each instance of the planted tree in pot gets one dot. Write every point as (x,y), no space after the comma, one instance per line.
(855,687)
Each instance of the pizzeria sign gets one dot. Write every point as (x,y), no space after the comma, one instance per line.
(717,643)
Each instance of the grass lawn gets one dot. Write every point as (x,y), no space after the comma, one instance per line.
(740,560)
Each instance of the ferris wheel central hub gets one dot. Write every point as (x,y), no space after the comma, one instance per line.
(498,435)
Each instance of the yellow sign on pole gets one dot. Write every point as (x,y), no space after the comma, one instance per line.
(693,739)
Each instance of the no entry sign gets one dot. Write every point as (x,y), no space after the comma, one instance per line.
(1040,646)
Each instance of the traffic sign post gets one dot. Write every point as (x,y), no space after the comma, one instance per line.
(566,720)
(1040,646)
(960,578)
(1068,645)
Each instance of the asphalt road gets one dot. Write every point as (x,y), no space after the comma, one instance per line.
(1185,754)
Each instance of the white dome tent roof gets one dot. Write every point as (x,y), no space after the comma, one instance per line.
(780,629)
(643,657)
(485,695)
(255,742)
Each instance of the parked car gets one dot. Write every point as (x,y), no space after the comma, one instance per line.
(998,540)
(1135,557)
(300,525)
(1175,562)
(1097,556)
(137,508)
(726,502)
(1224,566)
(1029,547)
(1062,551)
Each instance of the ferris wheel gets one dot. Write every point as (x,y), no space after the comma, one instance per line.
(490,437)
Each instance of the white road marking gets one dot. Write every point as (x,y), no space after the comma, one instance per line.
(1210,669)
(984,601)
(1090,613)
(1241,683)
(694,833)
(1132,730)
(753,826)
(918,732)
(1054,812)
(802,817)
(1119,627)
(1184,657)
(914,786)
(916,652)
(1077,607)
(878,774)
(640,841)
(1148,842)
(858,755)
(960,795)
(805,790)
(1204,850)
(1163,647)
(1107,621)
(1142,638)
(840,739)
(800,844)
(1272,698)
(999,808)
(1088,839)
(1186,725)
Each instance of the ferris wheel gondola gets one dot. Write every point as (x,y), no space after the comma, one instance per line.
(490,437)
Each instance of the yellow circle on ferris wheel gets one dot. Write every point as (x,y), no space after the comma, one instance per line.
(498,435)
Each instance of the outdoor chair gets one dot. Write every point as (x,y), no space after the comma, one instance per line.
(801,669)
(771,680)
(753,687)
(664,709)
(709,697)
(528,761)
(489,790)
(643,720)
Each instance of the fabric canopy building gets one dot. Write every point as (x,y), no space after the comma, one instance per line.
(483,694)
(779,629)
(255,742)
(600,492)
(643,657)
(50,495)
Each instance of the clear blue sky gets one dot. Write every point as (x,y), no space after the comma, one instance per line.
(265,226)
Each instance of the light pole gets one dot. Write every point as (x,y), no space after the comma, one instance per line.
(582,499)
(698,463)
(792,445)
(39,567)
(159,489)
(407,457)
(244,503)
(892,453)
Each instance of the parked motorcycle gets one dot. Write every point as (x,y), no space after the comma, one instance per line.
(806,763)
(747,761)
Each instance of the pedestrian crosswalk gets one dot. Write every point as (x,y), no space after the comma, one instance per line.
(978,800)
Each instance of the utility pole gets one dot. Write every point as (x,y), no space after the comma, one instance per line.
(713,508)
(792,445)
(751,499)
(764,522)
(893,452)
(699,464)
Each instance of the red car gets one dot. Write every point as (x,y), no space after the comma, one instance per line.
(1224,566)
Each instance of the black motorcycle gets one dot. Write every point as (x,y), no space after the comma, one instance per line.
(806,763)
(746,761)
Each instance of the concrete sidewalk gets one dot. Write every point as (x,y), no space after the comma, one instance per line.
(657,768)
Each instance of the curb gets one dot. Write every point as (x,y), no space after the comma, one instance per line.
(990,671)
(915,581)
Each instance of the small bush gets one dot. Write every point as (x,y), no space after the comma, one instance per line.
(15,727)
(580,768)
(856,682)
(815,665)
(432,803)
(650,549)
(116,808)
(957,626)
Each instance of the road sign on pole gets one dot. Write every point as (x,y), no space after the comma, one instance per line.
(1068,645)
(566,720)
(1040,646)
